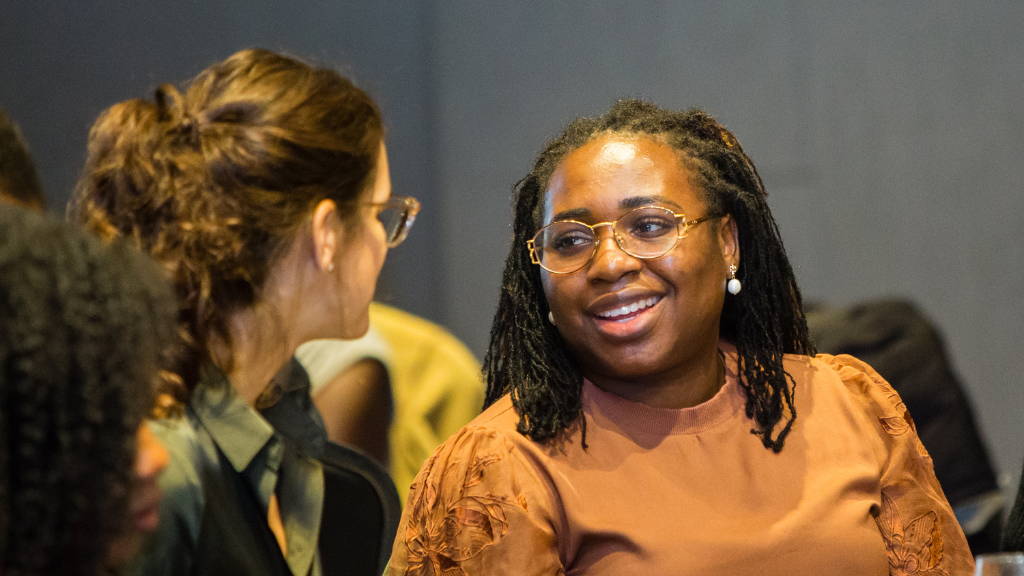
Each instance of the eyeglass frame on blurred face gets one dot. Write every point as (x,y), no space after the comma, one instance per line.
(407,207)
(682,226)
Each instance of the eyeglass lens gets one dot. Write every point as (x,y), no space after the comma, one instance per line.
(643,233)
(393,220)
(397,216)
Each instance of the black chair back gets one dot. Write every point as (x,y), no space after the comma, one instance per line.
(361,514)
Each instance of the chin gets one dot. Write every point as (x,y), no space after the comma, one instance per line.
(627,371)
(617,364)
(636,363)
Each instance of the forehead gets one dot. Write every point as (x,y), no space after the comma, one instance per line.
(615,173)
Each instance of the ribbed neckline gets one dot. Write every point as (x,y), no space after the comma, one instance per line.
(638,417)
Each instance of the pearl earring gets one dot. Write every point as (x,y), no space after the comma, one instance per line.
(551,318)
(733,286)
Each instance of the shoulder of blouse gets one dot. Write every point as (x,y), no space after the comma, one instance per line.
(498,416)
(881,403)
(477,491)
(915,520)
(487,455)
(877,394)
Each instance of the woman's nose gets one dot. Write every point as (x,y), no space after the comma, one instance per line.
(610,261)
(152,457)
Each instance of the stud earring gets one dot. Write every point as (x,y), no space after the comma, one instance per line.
(330,268)
(551,318)
(733,286)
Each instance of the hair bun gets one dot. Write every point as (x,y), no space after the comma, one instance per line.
(171,110)
(189,129)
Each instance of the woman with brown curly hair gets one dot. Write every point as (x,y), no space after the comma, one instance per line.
(655,403)
(264,191)
(82,328)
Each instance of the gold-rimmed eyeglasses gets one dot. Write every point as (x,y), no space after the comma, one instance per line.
(397,215)
(566,246)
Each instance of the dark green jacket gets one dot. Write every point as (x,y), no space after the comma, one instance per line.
(227,460)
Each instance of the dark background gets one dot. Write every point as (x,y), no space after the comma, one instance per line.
(890,135)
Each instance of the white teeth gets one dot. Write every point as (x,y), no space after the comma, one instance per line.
(630,308)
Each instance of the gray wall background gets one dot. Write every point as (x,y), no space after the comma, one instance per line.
(890,135)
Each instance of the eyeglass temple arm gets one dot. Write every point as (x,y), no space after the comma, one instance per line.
(533,252)
(687,223)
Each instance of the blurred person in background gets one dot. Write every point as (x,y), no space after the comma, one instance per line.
(655,402)
(264,191)
(19,182)
(407,366)
(83,327)
(351,387)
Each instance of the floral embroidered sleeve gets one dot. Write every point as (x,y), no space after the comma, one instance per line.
(476,508)
(921,534)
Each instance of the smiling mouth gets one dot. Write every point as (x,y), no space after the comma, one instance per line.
(628,311)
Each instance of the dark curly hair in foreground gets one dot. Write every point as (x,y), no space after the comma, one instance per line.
(82,327)
(214,183)
(526,356)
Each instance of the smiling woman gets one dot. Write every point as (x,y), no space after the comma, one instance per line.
(598,309)
(655,404)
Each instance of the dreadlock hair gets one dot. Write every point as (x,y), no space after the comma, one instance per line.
(82,329)
(526,357)
(19,181)
(214,182)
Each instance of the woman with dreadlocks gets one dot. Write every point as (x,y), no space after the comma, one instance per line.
(655,405)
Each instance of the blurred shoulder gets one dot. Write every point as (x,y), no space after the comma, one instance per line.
(183,501)
(181,439)
(412,333)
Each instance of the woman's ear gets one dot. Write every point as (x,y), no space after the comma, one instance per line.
(325,228)
(729,239)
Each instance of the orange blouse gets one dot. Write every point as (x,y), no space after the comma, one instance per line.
(690,491)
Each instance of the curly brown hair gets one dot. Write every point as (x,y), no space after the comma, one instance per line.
(82,327)
(215,182)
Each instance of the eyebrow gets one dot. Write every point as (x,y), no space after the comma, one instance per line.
(626,204)
(573,214)
(641,201)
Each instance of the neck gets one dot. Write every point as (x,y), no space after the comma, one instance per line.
(697,382)
(261,343)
